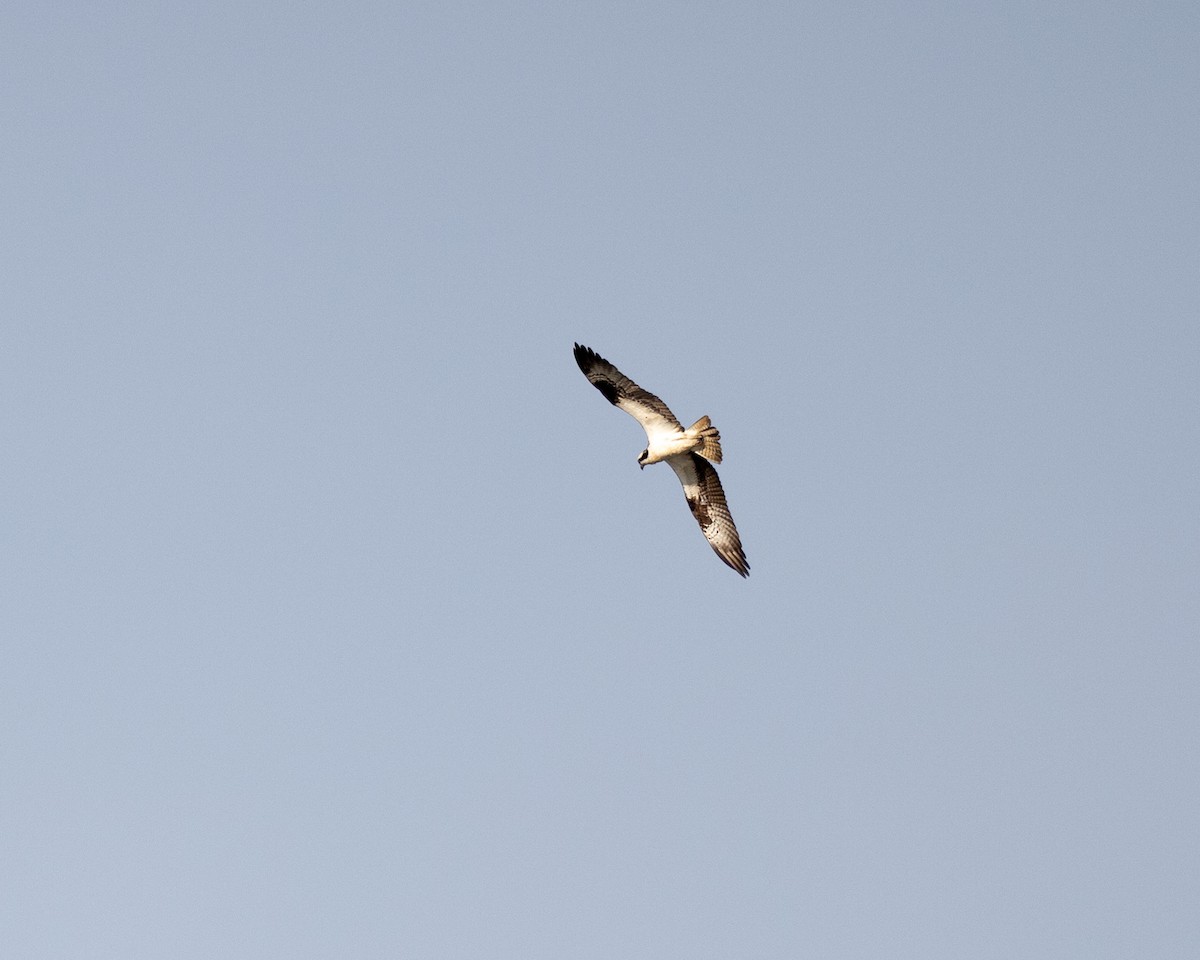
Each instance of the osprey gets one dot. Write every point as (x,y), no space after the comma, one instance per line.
(687,451)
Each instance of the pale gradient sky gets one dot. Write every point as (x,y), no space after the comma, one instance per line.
(338,618)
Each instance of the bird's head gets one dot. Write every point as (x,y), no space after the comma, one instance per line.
(642,459)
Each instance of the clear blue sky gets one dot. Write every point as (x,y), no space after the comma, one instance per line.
(337,618)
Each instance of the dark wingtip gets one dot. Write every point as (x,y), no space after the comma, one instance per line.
(585,357)
(737,562)
(588,359)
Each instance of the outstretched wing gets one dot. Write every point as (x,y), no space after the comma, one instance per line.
(706,498)
(654,415)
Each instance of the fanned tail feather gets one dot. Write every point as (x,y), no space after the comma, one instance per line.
(710,447)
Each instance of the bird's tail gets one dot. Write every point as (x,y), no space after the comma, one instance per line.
(710,439)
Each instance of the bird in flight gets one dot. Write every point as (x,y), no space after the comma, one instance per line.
(687,451)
